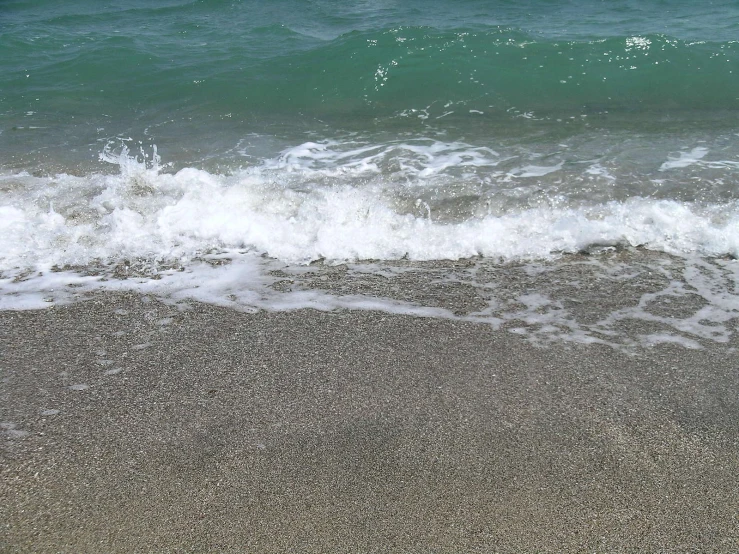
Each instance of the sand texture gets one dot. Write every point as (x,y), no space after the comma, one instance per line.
(131,426)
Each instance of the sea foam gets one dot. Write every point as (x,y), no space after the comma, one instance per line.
(305,206)
(317,227)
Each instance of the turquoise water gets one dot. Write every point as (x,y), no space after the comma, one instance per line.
(197,77)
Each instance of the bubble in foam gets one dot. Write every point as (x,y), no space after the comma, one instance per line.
(316,201)
(192,234)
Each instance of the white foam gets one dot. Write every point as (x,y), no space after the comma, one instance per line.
(706,305)
(666,338)
(598,170)
(204,236)
(143,214)
(405,159)
(684,159)
(536,170)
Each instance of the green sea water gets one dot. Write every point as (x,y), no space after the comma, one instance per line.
(198,77)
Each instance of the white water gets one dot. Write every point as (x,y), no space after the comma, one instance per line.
(194,235)
(591,300)
(316,202)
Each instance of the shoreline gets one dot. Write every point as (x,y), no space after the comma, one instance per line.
(131,426)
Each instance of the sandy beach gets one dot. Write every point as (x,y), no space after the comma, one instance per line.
(131,426)
(326,277)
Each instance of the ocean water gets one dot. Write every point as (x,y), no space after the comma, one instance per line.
(239,152)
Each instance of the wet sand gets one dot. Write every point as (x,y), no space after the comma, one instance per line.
(131,426)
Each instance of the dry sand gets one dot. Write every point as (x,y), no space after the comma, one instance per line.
(130,426)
